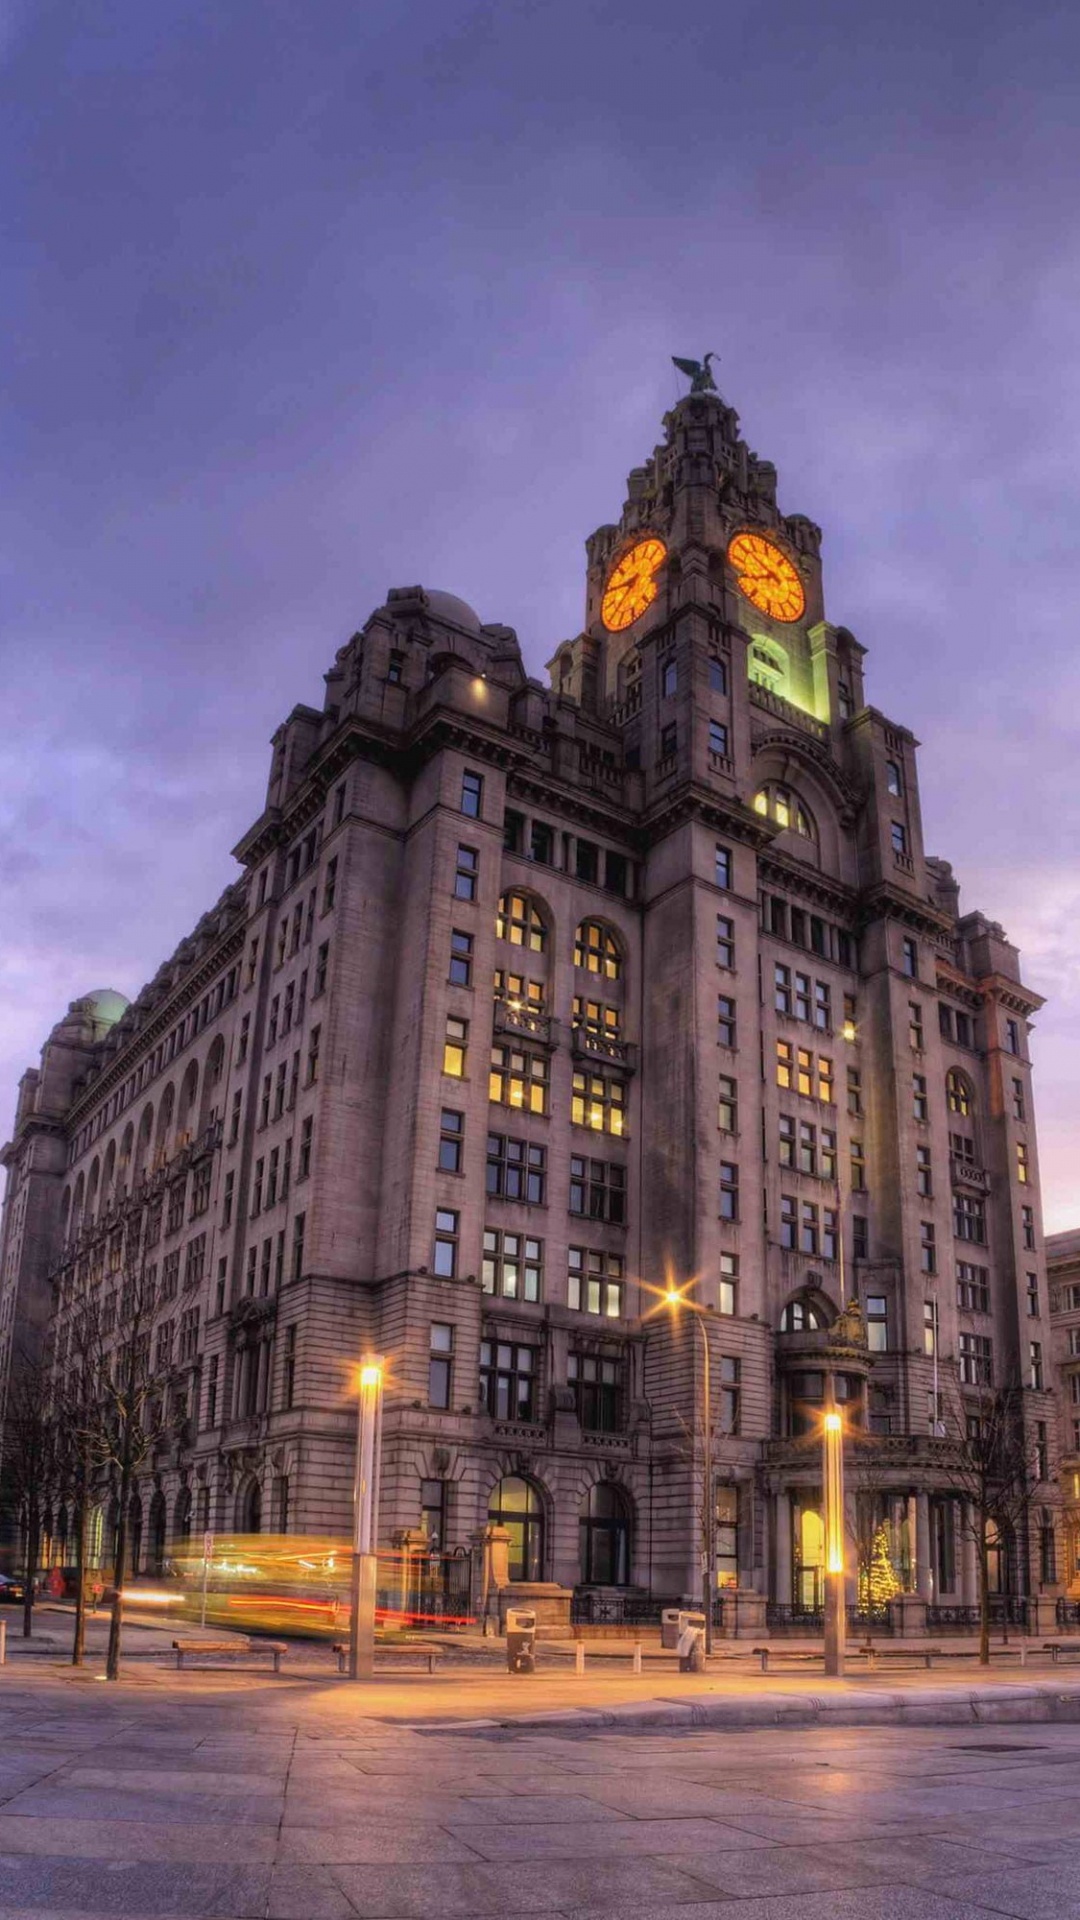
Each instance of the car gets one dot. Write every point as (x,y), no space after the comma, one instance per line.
(12,1591)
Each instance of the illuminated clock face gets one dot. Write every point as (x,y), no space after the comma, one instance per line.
(631,584)
(766,576)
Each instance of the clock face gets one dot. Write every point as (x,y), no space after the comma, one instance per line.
(631,584)
(766,576)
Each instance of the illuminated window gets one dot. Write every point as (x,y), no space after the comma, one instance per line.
(513,1266)
(518,1079)
(876,1311)
(518,993)
(785,1063)
(800,1316)
(727,1283)
(597,951)
(728,1104)
(958,1093)
(779,803)
(594,1282)
(519,922)
(455,1047)
(1023,1164)
(805,1072)
(599,1102)
(929,1327)
(596,1018)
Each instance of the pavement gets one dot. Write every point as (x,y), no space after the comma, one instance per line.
(249,1797)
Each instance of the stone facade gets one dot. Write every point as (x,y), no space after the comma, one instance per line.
(1063,1273)
(530,1001)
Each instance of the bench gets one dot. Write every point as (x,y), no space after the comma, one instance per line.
(430,1654)
(239,1643)
(1061,1649)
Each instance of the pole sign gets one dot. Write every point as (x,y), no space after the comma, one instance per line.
(208,1546)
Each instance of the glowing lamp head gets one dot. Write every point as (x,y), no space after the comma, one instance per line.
(370,1378)
(833,1423)
(673,1298)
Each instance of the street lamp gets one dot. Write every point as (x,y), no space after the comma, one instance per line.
(365,1522)
(676,1298)
(835,1607)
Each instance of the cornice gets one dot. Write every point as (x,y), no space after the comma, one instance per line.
(883,901)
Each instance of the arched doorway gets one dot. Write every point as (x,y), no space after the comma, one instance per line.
(182,1515)
(516,1505)
(249,1510)
(158,1524)
(604,1534)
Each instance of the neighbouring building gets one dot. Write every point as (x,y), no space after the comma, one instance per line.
(531,998)
(1063,1275)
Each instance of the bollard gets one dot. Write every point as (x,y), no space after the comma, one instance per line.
(3,1643)
(579,1657)
(636,1667)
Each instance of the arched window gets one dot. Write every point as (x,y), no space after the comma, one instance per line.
(779,803)
(597,950)
(123,1172)
(163,1141)
(768,665)
(209,1110)
(604,1534)
(109,1174)
(516,1505)
(142,1147)
(958,1093)
(78,1204)
(519,921)
(185,1120)
(249,1509)
(92,1190)
(800,1316)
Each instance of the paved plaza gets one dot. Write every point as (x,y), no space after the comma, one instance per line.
(231,1794)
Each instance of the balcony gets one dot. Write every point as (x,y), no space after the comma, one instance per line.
(525,1022)
(775,703)
(587,1044)
(965,1174)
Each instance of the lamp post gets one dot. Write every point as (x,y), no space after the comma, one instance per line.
(675,1299)
(835,1607)
(365,1522)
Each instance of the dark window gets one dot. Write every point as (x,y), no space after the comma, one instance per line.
(466,872)
(507,1380)
(440,1364)
(725,941)
(669,678)
(598,1190)
(725,1020)
(444,1261)
(595,1381)
(472,794)
(516,1170)
(451,1138)
(729,1190)
(604,1534)
(718,737)
(461,946)
(669,740)
(722,871)
(730,1393)
(542,844)
(717,675)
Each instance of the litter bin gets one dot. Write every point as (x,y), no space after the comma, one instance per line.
(691,1647)
(669,1628)
(520,1640)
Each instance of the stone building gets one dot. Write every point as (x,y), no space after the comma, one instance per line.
(531,1000)
(1063,1274)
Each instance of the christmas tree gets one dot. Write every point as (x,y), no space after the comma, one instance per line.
(878,1582)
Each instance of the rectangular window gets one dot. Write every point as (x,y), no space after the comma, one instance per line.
(919,1098)
(598,1190)
(860,1237)
(718,738)
(542,846)
(909,958)
(1033,1296)
(1027,1220)
(472,793)
(330,885)
(451,1139)
(730,1393)
(822,1006)
(513,1265)
(723,867)
(516,1170)
(272,1021)
(808,1230)
(279,1090)
(915,1026)
(304,1161)
(440,1364)
(829,1233)
(243,1039)
(212,1392)
(877,1323)
(587,861)
(234,1117)
(444,1259)
(729,1190)
(507,1380)
(782,999)
(788,1223)
(825,1090)
(596,1018)
(725,1020)
(264,1267)
(717,675)
(669,740)
(1012,1036)
(595,1282)
(322,959)
(227,1200)
(827,1155)
(924,1183)
(461,946)
(727,1285)
(1035,1366)
(802,996)
(288,1006)
(455,1047)
(858,1167)
(518,1079)
(898,836)
(969,1217)
(466,873)
(972,1288)
(976,1360)
(807,1147)
(854,1090)
(927,1246)
(787,1141)
(314,1038)
(893,778)
(598,1101)
(728,1104)
(595,1381)
(929,1327)
(669,678)
(1023,1164)
(288,1381)
(1018,1107)
(298,1246)
(725,941)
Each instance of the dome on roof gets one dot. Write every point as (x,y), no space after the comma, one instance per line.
(108,1005)
(447,606)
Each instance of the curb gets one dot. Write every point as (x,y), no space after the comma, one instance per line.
(938,1707)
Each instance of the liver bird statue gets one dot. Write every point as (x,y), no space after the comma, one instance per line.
(701,380)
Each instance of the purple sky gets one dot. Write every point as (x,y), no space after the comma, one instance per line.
(306,301)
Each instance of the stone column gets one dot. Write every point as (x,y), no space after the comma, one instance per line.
(924,1583)
(782,1555)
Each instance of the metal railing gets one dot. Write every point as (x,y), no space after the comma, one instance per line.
(1068,1613)
(1006,1610)
(605,1607)
(781,1618)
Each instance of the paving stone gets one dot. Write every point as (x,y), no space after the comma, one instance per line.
(532,1886)
(608,1840)
(129,1840)
(131,1887)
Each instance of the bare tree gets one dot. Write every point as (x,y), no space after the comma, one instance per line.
(30,1464)
(991,1472)
(76,1397)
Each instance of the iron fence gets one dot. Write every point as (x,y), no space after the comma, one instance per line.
(1006,1610)
(1068,1613)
